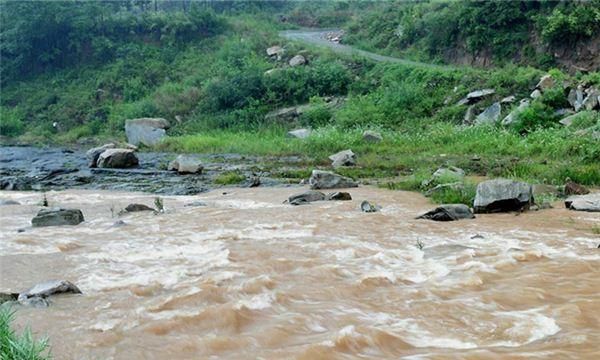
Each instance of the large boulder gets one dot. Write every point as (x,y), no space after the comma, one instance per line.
(186,164)
(475,96)
(299,133)
(117,158)
(491,115)
(372,136)
(297,60)
(589,202)
(147,131)
(329,180)
(343,158)
(448,212)
(500,195)
(306,197)
(57,217)
(93,154)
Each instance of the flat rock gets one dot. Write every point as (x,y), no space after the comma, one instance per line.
(48,288)
(94,153)
(501,195)
(328,180)
(117,158)
(57,217)
(299,133)
(367,207)
(448,212)
(306,197)
(147,131)
(343,158)
(451,172)
(186,164)
(475,96)
(589,202)
(275,51)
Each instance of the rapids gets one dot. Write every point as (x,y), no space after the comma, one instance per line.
(248,277)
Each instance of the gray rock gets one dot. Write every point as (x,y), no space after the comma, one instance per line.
(508,99)
(490,115)
(275,51)
(186,164)
(338,195)
(591,101)
(367,207)
(448,172)
(299,133)
(297,60)
(57,217)
(147,131)
(535,94)
(138,207)
(476,96)
(469,116)
(448,212)
(513,115)
(545,83)
(343,158)
(563,112)
(589,202)
(372,136)
(36,294)
(93,154)
(117,158)
(501,195)
(306,197)
(328,180)
(4,202)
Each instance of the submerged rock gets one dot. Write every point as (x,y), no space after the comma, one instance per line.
(147,131)
(339,195)
(138,207)
(186,164)
(57,217)
(448,212)
(328,180)
(117,158)
(343,158)
(367,207)
(306,197)
(501,195)
(589,202)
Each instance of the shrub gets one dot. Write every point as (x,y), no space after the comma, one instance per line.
(11,121)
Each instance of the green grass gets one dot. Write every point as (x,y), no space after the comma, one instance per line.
(15,346)
(230,178)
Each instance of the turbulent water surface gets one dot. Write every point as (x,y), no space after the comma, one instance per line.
(247,277)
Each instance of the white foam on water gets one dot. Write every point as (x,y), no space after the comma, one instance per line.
(256,302)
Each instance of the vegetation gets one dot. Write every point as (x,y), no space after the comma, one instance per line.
(14,346)
(229,178)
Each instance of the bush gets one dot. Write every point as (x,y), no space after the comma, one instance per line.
(537,115)
(11,121)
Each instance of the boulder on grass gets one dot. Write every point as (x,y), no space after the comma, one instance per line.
(93,154)
(589,202)
(186,164)
(328,180)
(297,60)
(545,83)
(448,212)
(275,51)
(372,136)
(343,158)
(502,195)
(117,158)
(451,172)
(147,131)
(57,217)
(306,197)
(491,115)
(299,134)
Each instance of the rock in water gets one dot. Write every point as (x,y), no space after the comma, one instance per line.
(306,197)
(448,212)
(57,217)
(500,195)
(94,153)
(339,195)
(35,295)
(299,134)
(147,131)
(491,115)
(367,207)
(138,207)
(343,158)
(372,136)
(117,158)
(573,188)
(186,164)
(589,202)
(329,180)
(297,60)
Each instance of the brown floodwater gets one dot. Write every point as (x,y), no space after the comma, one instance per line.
(248,277)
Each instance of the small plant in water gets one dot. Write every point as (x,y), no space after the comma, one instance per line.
(44,201)
(19,346)
(158,202)
(113,211)
(420,245)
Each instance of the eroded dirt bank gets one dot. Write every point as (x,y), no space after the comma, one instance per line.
(246,276)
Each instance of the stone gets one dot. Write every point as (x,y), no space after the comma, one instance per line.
(328,180)
(275,51)
(451,172)
(45,289)
(535,94)
(448,212)
(490,115)
(545,83)
(146,131)
(508,99)
(475,96)
(306,197)
(117,158)
(469,116)
(93,154)
(367,207)
(4,202)
(591,101)
(57,217)
(513,115)
(573,188)
(372,136)
(299,133)
(138,207)
(343,158)
(589,202)
(443,187)
(338,195)
(297,60)
(186,164)
(563,112)
(502,195)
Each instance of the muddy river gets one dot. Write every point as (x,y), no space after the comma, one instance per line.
(248,277)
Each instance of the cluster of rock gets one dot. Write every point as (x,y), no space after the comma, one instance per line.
(38,295)
(108,156)
(277,53)
(334,36)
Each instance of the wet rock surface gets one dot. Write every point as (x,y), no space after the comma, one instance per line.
(589,202)
(448,212)
(33,168)
(57,217)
